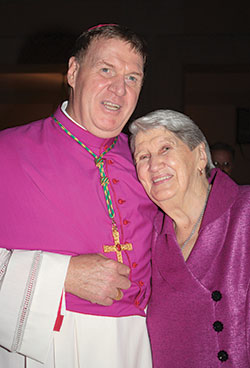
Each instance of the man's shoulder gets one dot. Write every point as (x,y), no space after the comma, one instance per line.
(19,135)
(123,137)
(123,148)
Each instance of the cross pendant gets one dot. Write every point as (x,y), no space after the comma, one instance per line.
(117,247)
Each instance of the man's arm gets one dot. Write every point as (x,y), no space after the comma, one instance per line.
(30,293)
(31,289)
(4,260)
(96,278)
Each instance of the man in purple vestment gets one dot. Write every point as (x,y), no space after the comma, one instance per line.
(75,224)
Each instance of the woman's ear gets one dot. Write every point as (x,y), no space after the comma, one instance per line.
(202,156)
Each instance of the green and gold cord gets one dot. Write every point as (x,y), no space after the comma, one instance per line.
(99,163)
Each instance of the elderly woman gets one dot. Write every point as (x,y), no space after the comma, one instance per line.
(199,313)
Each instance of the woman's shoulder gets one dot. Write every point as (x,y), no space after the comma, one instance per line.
(241,203)
(244,193)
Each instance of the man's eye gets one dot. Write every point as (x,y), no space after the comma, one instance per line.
(131,78)
(105,70)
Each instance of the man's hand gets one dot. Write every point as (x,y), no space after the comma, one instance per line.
(96,278)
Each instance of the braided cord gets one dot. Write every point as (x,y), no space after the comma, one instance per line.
(99,163)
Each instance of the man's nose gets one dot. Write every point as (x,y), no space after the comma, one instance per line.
(118,86)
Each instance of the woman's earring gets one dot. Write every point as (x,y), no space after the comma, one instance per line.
(201,171)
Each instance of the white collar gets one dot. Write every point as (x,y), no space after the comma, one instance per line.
(63,108)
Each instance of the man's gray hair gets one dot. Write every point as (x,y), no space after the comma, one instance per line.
(179,124)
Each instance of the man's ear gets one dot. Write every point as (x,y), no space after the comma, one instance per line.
(73,67)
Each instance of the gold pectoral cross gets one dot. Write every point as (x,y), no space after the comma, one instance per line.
(117,247)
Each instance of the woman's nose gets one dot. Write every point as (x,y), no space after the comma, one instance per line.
(155,163)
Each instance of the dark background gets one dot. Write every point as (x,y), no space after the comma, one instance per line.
(199,61)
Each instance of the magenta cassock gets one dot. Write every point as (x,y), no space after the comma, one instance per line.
(52,200)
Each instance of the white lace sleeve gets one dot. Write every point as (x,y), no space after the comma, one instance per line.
(4,260)
(29,299)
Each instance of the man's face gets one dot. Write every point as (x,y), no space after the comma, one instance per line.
(105,86)
(223,160)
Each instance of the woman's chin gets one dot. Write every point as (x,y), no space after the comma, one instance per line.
(161,196)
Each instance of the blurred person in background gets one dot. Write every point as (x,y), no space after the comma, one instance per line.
(223,156)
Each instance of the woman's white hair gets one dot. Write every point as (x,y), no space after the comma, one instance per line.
(179,124)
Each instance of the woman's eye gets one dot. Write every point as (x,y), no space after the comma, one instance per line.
(165,148)
(143,157)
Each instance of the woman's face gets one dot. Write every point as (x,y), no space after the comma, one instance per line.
(166,167)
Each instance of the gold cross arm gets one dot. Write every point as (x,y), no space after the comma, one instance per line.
(117,247)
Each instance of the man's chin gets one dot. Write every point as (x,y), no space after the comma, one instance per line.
(110,130)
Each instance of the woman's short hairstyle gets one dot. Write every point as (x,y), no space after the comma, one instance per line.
(108,31)
(179,124)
